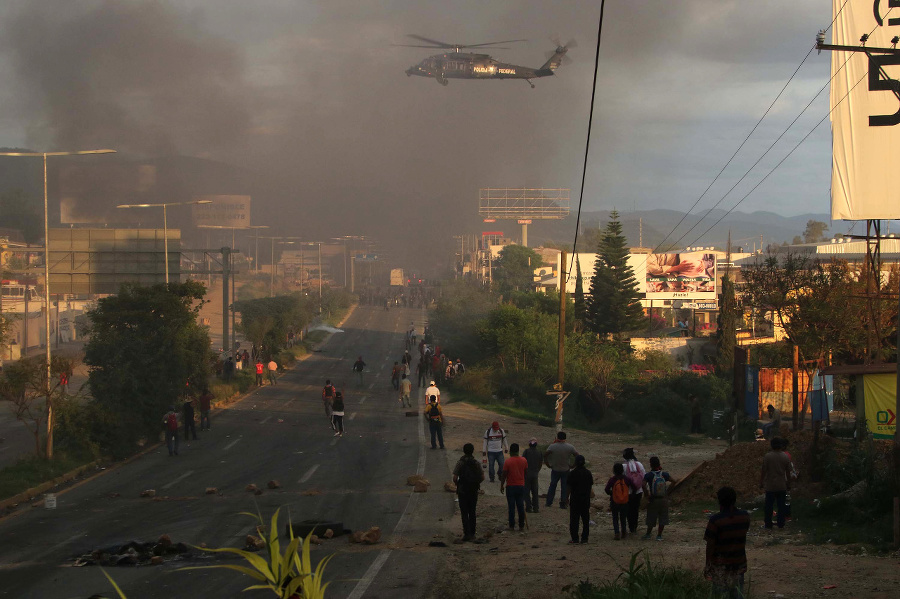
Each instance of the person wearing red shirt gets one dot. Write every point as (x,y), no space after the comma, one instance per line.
(513,476)
(259,372)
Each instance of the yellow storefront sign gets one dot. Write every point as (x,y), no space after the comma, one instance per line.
(881,400)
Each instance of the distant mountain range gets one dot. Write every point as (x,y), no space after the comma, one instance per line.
(650,228)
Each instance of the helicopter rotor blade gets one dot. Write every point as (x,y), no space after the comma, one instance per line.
(437,43)
(418,46)
(492,43)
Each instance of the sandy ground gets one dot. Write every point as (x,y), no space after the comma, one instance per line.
(539,563)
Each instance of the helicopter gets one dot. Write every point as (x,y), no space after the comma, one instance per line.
(469,65)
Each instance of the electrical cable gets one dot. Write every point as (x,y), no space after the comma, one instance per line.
(587,148)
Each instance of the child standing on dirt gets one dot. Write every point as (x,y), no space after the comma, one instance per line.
(619,489)
(656,489)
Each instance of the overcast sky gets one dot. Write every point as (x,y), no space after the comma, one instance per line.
(313,94)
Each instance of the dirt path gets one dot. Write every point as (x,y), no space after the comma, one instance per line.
(539,563)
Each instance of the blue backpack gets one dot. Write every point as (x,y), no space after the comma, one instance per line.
(658,484)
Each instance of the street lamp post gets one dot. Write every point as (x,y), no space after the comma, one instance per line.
(165,223)
(44,155)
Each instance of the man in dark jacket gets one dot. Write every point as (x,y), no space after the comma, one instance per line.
(579,487)
(188,411)
(468,476)
(535,461)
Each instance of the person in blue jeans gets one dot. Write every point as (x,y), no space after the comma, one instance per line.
(558,458)
(513,476)
(775,479)
(494,446)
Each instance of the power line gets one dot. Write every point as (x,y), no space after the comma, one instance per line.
(587,146)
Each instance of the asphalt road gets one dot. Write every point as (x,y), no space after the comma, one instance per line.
(278,432)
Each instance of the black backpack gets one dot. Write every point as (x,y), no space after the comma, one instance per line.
(469,473)
(434,414)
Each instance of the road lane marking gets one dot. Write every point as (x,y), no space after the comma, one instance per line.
(363,585)
(66,542)
(264,420)
(230,445)
(363,400)
(353,415)
(372,384)
(179,479)
(309,473)
(334,441)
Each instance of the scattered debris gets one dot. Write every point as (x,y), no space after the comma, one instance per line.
(328,534)
(438,544)
(134,553)
(450,487)
(311,492)
(369,537)
(211,490)
(114,495)
(148,493)
(415,478)
(274,484)
(254,543)
(421,486)
(252,488)
(315,540)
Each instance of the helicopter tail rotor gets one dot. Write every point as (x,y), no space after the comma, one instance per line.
(557,57)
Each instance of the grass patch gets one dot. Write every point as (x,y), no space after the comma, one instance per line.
(30,472)
(841,522)
(643,580)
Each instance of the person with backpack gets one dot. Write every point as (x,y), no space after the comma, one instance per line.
(328,392)
(619,488)
(495,444)
(535,460)
(170,427)
(337,414)
(655,486)
(205,400)
(579,484)
(468,476)
(635,472)
(558,458)
(405,391)
(188,409)
(259,372)
(435,422)
(513,476)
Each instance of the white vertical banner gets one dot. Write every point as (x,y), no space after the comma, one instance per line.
(865,117)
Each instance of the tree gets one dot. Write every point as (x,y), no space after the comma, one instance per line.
(146,350)
(814,232)
(23,387)
(726,328)
(268,320)
(580,305)
(515,268)
(613,306)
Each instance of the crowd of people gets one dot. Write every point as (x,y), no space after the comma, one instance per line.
(629,486)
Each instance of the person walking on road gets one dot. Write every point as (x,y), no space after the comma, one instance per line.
(188,412)
(405,390)
(468,476)
(337,414)
(273,368)
(435,422)
(205,400)
(513,476)
(655,486)
(635,472)
(558,458)
(493,447)
(259,372)
(535,460)
(775,480)
(432,391)
(395,376)
(579,484)
(421,373)
(619,489)
(726,541)
(170,427)
(358,368)
(328,392)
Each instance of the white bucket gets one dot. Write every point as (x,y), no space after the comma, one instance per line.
(50,501)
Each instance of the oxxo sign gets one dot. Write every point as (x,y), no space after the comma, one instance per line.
(885,417)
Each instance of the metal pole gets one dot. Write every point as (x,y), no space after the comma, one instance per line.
(226,272)
(233,277)
(272,278)
(47,315)
(352,274)
(795,386)
(256,253)
(320,277)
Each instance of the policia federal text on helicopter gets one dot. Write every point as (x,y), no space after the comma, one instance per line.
(468,65)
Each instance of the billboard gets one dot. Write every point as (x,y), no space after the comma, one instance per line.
(687,275)
(865,120)
(225,211)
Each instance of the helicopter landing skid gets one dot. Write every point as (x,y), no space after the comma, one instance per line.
(528,81)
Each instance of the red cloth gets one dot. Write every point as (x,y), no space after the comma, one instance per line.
(514,468)
(259,368)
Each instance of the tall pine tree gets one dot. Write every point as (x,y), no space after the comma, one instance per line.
(580,305)
(613,306)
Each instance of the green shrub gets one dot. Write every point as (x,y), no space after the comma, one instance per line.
(646,581)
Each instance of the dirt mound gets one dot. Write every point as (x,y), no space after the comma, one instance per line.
(739,467)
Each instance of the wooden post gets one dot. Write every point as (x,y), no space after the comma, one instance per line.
(795,387)
(561,355)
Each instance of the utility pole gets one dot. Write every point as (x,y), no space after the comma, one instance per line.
(795,386)
(561,350)
(226,273)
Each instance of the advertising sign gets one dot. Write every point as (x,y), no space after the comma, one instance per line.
(224,211)
(865,120)
(690,275)
(397,278)
(880,391)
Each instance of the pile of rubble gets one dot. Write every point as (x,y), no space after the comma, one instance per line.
(134,553)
